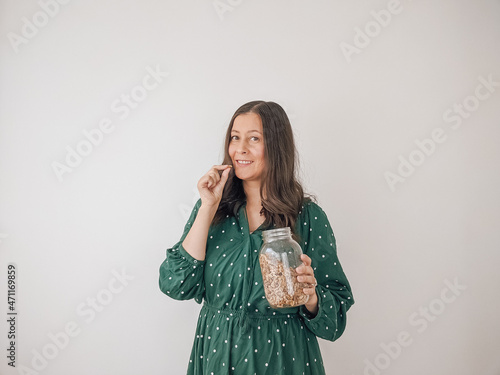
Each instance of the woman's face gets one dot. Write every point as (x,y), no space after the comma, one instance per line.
(246,147)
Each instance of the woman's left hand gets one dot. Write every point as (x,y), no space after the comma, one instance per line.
(306,275)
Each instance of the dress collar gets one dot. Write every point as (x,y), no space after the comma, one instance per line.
(243,218)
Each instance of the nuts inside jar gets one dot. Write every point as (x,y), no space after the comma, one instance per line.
(280,283)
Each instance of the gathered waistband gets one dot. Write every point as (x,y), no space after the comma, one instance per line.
(244,312)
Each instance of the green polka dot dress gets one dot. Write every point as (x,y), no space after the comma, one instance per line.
(237,331)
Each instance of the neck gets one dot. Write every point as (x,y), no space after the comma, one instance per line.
(252,192)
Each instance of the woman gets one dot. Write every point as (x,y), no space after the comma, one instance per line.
(216,259)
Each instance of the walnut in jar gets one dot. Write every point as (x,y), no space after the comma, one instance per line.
(279,256)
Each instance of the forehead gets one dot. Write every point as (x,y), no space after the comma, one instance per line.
(247,122)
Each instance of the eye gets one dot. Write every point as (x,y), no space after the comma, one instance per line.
(255,139)
(234,137)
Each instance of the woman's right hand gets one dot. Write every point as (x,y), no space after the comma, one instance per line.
(212,184)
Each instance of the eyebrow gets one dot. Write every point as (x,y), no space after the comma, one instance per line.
(250,131)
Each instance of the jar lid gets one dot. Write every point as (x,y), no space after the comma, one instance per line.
(276,233)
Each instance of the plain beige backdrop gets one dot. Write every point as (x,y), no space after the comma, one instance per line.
(376,91)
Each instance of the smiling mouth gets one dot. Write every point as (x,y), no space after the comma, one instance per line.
(244,162)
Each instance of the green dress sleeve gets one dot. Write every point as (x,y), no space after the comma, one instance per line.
(333,289)
(181,275)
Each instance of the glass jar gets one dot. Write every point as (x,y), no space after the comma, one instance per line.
(278,258)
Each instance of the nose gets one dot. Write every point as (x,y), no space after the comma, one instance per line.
(242,149)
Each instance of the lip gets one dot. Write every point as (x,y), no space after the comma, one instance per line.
(243,164)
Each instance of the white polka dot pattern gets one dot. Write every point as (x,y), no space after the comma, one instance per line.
(237,330)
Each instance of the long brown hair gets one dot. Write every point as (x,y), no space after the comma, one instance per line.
(284,194)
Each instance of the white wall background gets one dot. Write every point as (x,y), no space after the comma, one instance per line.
(126,201)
